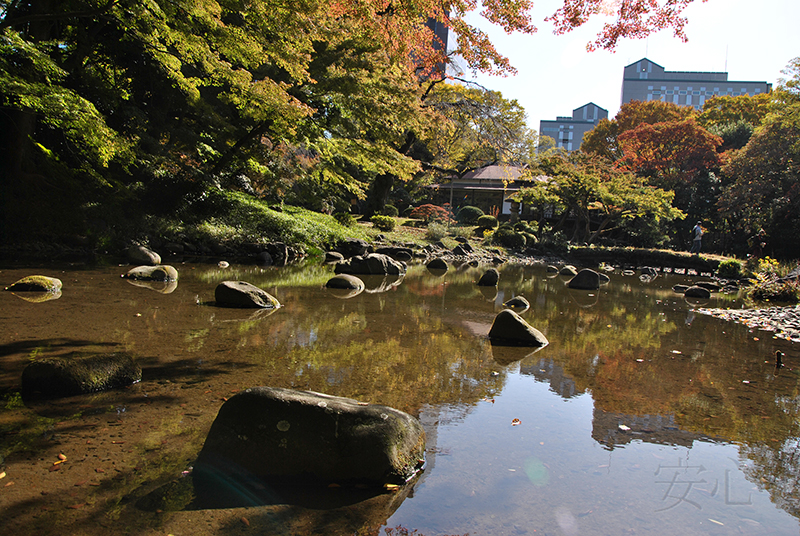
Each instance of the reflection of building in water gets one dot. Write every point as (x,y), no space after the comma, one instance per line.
(616,429)
(547,371)
(612,429)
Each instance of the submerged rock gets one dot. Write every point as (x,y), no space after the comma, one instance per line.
(303,436)
(511,329)
(244,295)
(68,376)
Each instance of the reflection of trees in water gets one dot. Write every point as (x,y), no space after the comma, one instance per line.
(776,468)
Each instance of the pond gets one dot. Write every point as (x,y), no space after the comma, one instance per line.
(641,416)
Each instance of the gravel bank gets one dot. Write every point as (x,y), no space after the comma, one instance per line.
(784,321)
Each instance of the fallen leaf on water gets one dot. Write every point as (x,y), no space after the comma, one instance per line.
(245,521)
(3,474)
(54,468)
(676,351)
(62,457)
(363,404)
(624,428)
(9,484)
(391,487)
(516,422)
(59,462)
(717,522)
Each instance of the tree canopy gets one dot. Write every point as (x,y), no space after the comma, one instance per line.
(116,101)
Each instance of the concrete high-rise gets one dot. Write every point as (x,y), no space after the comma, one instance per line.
(645,80)
(568,131)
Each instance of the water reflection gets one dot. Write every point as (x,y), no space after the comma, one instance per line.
(631,383)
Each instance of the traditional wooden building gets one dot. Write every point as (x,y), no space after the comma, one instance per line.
(487,188)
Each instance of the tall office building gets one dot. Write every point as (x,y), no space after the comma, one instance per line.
(645,80)
(568,131)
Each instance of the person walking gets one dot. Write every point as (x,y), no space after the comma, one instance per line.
(698,237)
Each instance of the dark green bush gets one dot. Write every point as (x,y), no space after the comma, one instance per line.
(487,222)
(384,223)
(391,210)
(345,218)
(508,237)
(469,215)
(730,269)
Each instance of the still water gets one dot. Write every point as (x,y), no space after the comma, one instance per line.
(641,416)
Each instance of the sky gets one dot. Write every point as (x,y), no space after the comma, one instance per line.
(751,41)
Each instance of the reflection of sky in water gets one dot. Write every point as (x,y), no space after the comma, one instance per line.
(548,475)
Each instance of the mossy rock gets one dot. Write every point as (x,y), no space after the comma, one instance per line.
(57,377)
(36,283)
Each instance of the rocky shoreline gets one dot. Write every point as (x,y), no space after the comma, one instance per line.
(783,321)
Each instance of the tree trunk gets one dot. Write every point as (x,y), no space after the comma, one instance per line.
(378,194)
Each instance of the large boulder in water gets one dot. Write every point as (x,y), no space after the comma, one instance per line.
(306,437)
(697,292)
(511,329)
(345,281)
(152,273)
(586,279)
(244,295)
(490,278)
(437,266)
(371,264)
(68,376)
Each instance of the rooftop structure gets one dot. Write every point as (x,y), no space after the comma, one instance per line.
(646,80)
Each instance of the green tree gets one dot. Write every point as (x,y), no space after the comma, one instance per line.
(601,196)
(765,175)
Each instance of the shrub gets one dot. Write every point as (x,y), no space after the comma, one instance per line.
(487,222)
(469,215)
(436,231)
(464,232)
(345,218)
(508,237)
(524,227)
(730,269)
(384,223)
(391,210)
(431,213)
(769,287)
